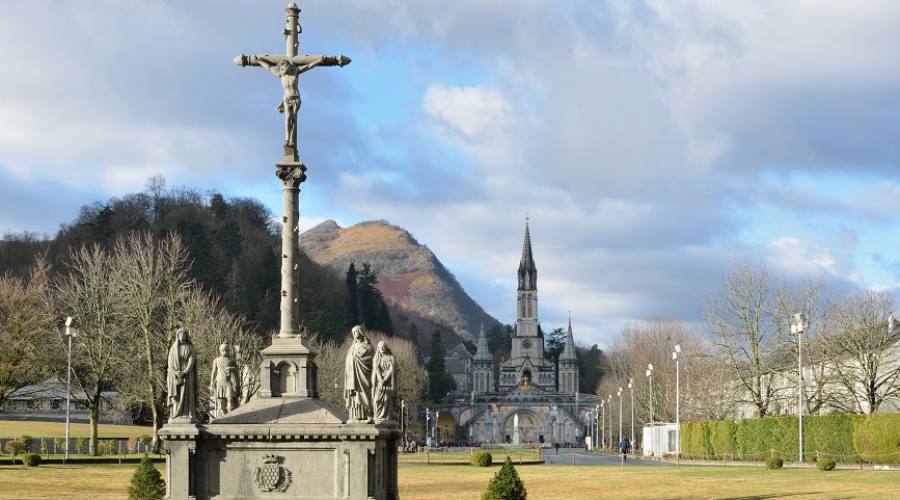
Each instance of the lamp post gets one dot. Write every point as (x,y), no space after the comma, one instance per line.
(650,378)
(609,405)
(402,422)
(428,427)
(70,334)
(798,327)
(677,401)
(631,389)
(601,435)
(620,414)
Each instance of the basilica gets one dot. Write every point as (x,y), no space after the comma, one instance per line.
(528,388)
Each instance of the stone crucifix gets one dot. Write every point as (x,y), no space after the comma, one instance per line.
(288,68)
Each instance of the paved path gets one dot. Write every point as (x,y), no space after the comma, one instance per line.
(589,458)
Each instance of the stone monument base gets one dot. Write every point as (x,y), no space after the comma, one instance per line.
(281,448)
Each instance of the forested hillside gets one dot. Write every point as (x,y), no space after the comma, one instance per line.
(233,244)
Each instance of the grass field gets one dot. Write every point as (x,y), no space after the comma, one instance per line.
(463,457)
(14,429)
(423,482)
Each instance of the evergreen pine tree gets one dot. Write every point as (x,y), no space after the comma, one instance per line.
(146,483)
(505,485)
(554,342)
(439,381)
(383,321)
(352,310)
(412,333)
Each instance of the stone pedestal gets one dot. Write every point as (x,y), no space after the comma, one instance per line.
(283,444)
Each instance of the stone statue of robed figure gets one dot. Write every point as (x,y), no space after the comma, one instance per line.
(384,376)
(357,377)
(181,379)
(224,382)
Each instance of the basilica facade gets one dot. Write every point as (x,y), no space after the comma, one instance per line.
(541,395)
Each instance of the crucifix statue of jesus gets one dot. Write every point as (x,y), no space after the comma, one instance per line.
(288,68)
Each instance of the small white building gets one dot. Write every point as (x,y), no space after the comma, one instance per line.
(660,439)
(47,401)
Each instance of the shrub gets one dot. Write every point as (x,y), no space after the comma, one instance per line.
(13,448)
(109,447)
(505,485)
(825,464)
(81,445)
(145,441)
(31,459)
(45,448)
(774,463)
(59,445)
(146,483)
(27,442)
(482,459)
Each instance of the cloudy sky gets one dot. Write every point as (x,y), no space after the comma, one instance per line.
(653,144)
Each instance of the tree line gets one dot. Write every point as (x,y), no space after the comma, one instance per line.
(126,301)
(745,362)
(133,269)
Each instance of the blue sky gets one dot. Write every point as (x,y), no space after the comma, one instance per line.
(654,144)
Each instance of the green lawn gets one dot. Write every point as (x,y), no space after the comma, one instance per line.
(14,429)
(463,457)
(543,482)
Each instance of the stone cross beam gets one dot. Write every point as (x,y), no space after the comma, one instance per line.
(288,67)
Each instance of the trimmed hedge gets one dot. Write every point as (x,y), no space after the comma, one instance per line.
(839,437)
(829,434)
(826,464)
(482,459)
(878,435)
(721,438)
(31,459)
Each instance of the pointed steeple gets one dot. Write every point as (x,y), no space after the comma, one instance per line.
(527,269)
(481,352)
(569,347)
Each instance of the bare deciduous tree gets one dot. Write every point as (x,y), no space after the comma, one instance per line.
(26,321)
(751,328)
(862,349)
(87,293)
(151,274)
(642,344)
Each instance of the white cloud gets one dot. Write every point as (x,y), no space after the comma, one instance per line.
(627,130)
(475,113)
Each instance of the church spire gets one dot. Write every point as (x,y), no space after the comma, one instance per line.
(569,347)
(482,353)
(527,269)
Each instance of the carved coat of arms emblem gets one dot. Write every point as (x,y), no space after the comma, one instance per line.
(272,476)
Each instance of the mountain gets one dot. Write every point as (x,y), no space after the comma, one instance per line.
(413,281)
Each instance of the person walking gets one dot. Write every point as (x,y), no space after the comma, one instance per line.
(624,446)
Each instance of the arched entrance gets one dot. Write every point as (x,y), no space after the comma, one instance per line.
(446,427)
(531,427)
